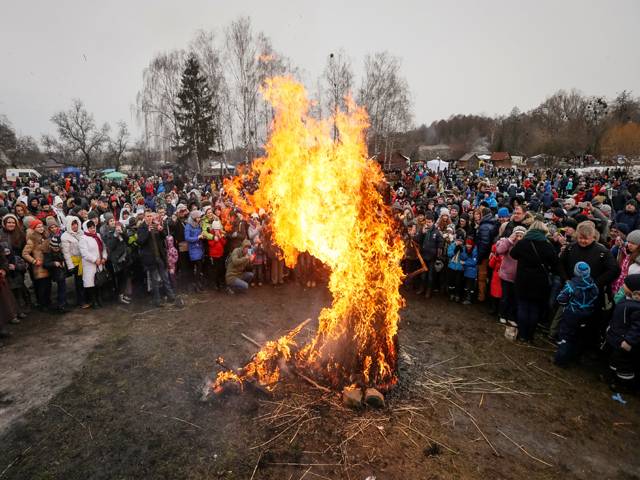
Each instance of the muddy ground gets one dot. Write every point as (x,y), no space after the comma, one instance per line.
(115,393)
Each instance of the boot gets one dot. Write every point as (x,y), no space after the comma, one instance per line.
(420,290)
(427,295)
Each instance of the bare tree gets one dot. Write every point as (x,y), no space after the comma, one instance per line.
(79,139)
(155,102)
(118,145)
(385,95)
(244,81)
(338,83)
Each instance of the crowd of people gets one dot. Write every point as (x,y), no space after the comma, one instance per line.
(551,252)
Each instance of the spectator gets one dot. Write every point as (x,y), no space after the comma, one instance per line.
(237,277)
(94,258)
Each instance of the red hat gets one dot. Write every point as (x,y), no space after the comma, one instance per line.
(34,223)
(469,241)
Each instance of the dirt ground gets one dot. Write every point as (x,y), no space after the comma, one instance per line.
(115,394)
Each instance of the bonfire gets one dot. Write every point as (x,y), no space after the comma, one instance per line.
(323,195)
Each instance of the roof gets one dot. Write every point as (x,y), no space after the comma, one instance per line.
(467,156)
(500,156)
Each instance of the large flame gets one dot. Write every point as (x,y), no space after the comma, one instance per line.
(323,199)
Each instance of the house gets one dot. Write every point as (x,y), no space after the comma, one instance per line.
(393,162)
(537,161)
(469,161)
(517,160)
(501,159)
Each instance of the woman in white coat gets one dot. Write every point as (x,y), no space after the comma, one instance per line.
(70,243)
(94,259)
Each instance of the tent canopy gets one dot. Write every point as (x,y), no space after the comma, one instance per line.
(115,175)
(437,165)
(71,170)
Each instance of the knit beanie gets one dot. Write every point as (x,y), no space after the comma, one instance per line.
(520,229)
(50,222)
(503,212)
(34,223)
(632,282)
(582,269)
(444,211)
(634,237)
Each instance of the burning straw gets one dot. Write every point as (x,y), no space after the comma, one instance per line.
(322,195)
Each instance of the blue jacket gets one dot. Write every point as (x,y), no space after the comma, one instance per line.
(454,260)
(487,231)
(628,219)
(470,263)
(191,234)
(625,324)
(579,295)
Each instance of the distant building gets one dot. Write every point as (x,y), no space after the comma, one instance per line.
(393,162)
(501,159)
(469,161)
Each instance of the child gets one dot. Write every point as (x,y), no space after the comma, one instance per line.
(455,274)
(55,265)
(259,259)
(469,260)
(495,285)
(623,336)
(578,297)
(216,254)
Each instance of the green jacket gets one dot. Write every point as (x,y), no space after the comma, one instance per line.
(236,264)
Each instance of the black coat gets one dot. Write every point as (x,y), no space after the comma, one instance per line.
(487,231)
(146,241)
(604,268)
(532,274)
(431,243)
(625,324)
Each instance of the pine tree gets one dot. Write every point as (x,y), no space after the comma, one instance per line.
(195,115)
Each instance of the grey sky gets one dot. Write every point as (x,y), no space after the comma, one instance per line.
(458,56)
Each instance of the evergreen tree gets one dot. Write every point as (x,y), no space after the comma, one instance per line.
(195,115)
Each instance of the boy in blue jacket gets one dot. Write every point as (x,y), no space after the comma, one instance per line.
(578,297)
(623,337)
(455,275)
(469,260)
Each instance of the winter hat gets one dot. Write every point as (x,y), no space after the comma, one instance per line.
(216,225)
(632,282)
(606,209)
(571,202)
(461,234)
(26,221)
(34,223)
(57,201)
(503,212)
(632,202)
(54,241)
(520,229)
(94,214)
(455,207)
(634,237)
(469,241)
(444,211)
(107,216)
(181,206)
(558,212)
(622,227)
(246,243)
(50,222)
(466,204)
(582,269)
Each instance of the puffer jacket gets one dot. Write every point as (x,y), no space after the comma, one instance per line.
(454,252)
(37,245)
(192,236)
(625,324)
(509,266)
(487,231)
(470,260)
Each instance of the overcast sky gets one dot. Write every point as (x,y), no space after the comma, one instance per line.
(481,57)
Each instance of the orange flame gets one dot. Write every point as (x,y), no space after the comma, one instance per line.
(323,199)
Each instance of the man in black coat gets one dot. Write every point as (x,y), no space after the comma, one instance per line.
(431,243)
(487,232)
(153,253)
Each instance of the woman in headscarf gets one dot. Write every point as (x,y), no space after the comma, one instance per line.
(12,241)
(94,258)
(70,244)
(537,259)
(33,253)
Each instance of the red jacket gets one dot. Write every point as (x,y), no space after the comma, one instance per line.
(216,248)
(495,287)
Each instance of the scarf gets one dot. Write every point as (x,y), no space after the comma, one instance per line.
(536,235)
(98,240)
